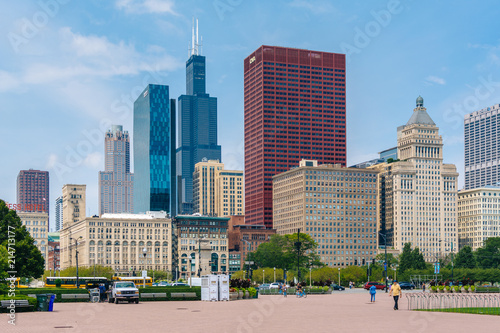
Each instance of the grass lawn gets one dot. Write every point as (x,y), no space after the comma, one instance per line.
(486,311)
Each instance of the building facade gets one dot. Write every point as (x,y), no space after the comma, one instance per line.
(73,203)
(192,230)
(118,241)
(478,216)
(418,195)
(197,126)
(216,191)
(154,151)
(53,255)
(294,109)
(482,147)
(33,191)
(37,225)
(336,206)
(116,183)
(59,213)
(243,239)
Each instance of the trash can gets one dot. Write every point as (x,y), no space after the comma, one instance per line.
(50,299)
(43,305)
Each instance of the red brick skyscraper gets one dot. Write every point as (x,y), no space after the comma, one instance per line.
(294,109)
(33,191)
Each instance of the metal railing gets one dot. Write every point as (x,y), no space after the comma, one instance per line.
(456,301)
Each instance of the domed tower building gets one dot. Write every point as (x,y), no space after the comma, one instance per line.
(418,192)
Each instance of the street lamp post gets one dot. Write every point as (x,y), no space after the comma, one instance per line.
(385,264)
(310,276)
(144,252)
(451,257)
(76,257)
(262,276)
(274,274)
(297,244)
(248,257)
(339,276)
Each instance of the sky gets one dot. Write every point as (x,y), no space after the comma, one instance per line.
(70,69)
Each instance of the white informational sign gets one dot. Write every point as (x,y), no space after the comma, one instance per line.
(144,274)
(223,287)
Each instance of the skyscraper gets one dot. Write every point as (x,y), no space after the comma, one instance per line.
(33,191)
(294,109)
(154,151)
(197,124)
(482,147)
(116,182)
(418,195)
(59,213)
(74,200)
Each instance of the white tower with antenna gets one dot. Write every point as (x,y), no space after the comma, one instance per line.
(196,45)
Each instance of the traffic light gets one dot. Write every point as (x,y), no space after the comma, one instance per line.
(373,261)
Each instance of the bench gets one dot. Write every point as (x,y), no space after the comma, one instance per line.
(18,303)
(183,295)
(153,295)
(75,296)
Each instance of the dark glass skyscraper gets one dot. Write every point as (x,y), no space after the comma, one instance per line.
(197,128)
(154,151)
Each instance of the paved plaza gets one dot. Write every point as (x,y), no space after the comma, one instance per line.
(349,311)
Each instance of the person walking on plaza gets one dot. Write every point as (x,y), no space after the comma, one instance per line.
(373,291)
(284,289)
(395,292)
(423,287)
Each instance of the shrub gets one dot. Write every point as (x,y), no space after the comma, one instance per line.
(58,283)
(252,291)
(32,301)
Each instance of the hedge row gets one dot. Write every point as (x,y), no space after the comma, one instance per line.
(57,291)
(169,291)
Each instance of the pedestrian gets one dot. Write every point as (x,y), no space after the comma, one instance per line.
(102,292)
(423,287)
(280,288)
(373,291)
(350,284)
(396,293)
(284,289)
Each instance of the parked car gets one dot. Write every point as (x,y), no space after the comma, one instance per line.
(163,284)
(336,287)
(274,285)
(180,284)
(376,284)
(406,285)
(264,286)
(124,291)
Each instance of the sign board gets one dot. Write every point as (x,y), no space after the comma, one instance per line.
(144,274)
(436,268)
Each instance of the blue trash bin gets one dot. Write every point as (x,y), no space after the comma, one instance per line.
(51,302)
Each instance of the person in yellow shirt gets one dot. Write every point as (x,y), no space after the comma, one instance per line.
(395,292)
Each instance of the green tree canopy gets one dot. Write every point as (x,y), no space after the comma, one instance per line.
(465,258)
(417,259)
(405,258)
(29,262)
(488,256)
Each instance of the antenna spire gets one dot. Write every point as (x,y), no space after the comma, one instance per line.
(195,40)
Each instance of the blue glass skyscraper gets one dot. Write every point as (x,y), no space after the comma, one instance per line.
(197,126)
(154,151)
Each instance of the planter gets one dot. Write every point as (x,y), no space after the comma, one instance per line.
(240,294)
(246,295)
(233,296)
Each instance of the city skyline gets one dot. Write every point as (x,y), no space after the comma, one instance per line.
(86,71)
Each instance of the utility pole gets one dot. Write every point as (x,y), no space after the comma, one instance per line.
(297,244)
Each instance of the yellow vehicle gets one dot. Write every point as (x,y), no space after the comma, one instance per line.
(138,281)
(69,282)
(19,285)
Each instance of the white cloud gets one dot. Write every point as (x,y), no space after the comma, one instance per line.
(147,6)
(316,7)
(435,79)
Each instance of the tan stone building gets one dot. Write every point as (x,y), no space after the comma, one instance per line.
(336,206)
(216,191)
(119,240)
(418,194)
(73,202)
(213,232)
(38,227)
(478,216)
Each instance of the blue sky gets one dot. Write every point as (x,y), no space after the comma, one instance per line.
(71,68)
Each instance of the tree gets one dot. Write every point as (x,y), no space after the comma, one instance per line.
(100,271)
(391,259)
(417,259)
(405,258)
(29,262)
(4,267)
(488,256)
(465,258)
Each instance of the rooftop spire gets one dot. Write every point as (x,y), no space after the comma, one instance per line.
(195,41)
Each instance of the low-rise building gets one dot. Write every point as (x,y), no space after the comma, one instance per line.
(336,206)
(478,216)
(128,243)
(244,238)
(192,231)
